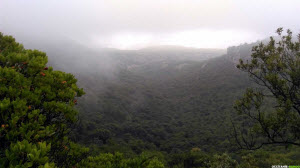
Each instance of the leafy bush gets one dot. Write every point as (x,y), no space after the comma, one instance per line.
(36,108)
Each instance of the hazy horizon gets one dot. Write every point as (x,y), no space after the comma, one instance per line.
(136,24)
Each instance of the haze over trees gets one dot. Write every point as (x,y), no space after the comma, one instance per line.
(151,107)
(275,67)
(37,112)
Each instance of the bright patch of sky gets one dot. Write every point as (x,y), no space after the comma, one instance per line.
(133,24)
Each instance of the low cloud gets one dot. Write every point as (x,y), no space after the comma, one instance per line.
(139,23)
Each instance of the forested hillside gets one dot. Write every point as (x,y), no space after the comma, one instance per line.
(172,106)
(149,84)
(158,107)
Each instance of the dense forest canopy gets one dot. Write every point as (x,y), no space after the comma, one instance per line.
(155,107)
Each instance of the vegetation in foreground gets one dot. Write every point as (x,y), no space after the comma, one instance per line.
(38,116)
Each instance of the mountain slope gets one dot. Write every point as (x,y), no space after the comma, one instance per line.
(163,98)
(171,105)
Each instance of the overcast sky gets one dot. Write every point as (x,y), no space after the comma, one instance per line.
(132,24)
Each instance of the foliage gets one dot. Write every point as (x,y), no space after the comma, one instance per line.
(263,158)
(273,108)
(146,115)
(171,112)
(36,105)
(223,161)
(117,160)
(37,114)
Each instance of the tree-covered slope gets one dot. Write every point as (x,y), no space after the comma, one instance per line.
(159,107)
(170,105)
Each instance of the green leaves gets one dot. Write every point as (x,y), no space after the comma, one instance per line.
(36,107)
(275,104)
(117,160)
(25,154)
